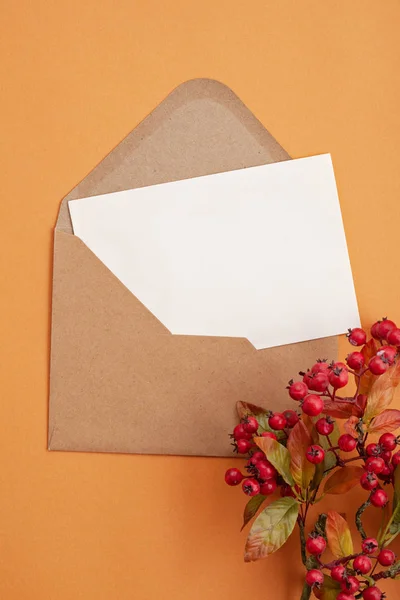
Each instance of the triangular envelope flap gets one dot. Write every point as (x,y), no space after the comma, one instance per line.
(200,128)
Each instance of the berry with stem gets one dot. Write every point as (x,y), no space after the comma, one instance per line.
(315,454)
(379,498)
(315,544)
(250,424)
(325,425)
(339,375)
(373,593)
(239,433)
(388,441)
(362,564)
(355,361)
(291,418)
(386,557)
(393,337)
(378,365)
(346,442)
(375,464)
(350,584)
(338,573)
(268,487)
(369,481)
(315,577)
(251,487)
(233,476)
(387,354)
(369,545)
(297,390)
(277,421)
(243,446)
(357,336)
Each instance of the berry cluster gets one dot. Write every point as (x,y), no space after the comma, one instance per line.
(348,576)
(313,427)
(261,477)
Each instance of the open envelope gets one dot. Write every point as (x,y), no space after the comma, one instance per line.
(119,380)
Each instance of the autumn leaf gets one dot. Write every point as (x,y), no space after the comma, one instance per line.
(251,508)
(382,392)
(298,442)
(329,459)
(350,426)
(338,535)
(368,379)
(388,420)
(329,589)
(341,410)
(244,409)
(277,455)
(271,529)
(342,480)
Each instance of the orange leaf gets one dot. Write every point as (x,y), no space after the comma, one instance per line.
(338,535)
(298,442)
(342,480)
(350,426)
(367,380)
(382,392)
(245,408)
(388,420)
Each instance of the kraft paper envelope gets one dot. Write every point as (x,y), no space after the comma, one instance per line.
(119,380)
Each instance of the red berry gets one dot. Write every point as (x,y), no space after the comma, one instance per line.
(243,446)
(369,481)
(315,544)
(269,434)
(315,454)
(307,378)
(339,375)
(239,433)
(386,455)
(251,487)
(350,584)
(291,418)
(375,464)
(393,337)
(345,596)
(362,564)
(319,382)
(385,327)
(264,471)
(286,490)
(325,425)
(315,578)
(396,459)
(388,441)
(377,366)
(268,487)
(233,476)
(387,354)
(369,545)
(355,361)
(375,330)
(387,472)
(277,421)
(298,390)
(256,456)
(338,573)
(386,557)
(321,366)
(373,450)
(372,593)
(379,498)
(357,336)
(250,424)
(346,442)
(312,405)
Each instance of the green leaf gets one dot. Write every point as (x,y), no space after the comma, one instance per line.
(382,392)
(278,455)
(343,480)
(329,589)
(392,528)
(387,421)
(251,508)
(271,529)
(338,535)
(301,469)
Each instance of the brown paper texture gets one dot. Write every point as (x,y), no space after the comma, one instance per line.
(119,381)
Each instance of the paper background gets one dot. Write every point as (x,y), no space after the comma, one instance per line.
(257,253)
(76,77)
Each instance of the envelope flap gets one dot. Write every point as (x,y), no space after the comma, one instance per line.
(200,128)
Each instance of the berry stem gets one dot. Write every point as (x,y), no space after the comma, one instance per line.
(301,524)
(359,514)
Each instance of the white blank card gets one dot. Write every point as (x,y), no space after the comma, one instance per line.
(258,253)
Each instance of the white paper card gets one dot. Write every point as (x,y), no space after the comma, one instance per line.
(258,253)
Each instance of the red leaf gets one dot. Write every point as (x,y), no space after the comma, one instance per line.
(382,392)
(298,442)
(388,420)
(367,380)
(343,480)
(341,410)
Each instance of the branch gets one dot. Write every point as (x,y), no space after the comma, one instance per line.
(359,514)
(302,541)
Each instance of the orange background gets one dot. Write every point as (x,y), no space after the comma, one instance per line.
(75,77)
